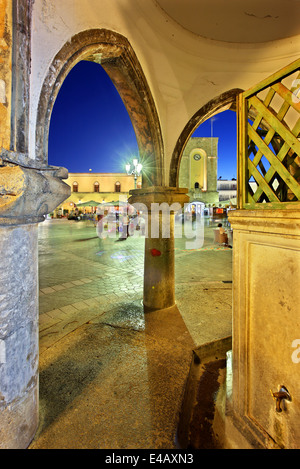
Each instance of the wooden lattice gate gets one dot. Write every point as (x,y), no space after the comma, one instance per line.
(266,263)
(269,146)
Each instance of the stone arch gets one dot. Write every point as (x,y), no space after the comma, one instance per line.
(115,54)
(223,102)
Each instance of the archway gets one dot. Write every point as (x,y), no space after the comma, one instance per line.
(115,55)
(118,59)
(223,102)
(120,63)
(203,279)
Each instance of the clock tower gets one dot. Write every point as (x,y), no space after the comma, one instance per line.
(198,169)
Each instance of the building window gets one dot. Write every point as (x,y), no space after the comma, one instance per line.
(139,185)
(117,187)
(96,186)
(196,185)
(75,186)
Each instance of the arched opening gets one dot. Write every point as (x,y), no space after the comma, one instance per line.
(113,54)
(224,102)
(118,59)
(96,275)
(198,163)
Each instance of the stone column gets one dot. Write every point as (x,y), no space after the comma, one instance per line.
(26,195)
(159,268)
(18,336)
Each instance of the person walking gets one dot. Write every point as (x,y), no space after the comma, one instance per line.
(125,223)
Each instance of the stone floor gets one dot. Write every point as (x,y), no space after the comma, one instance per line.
(112,377)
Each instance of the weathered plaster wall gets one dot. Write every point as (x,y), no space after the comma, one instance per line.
(5,72)
(184,71)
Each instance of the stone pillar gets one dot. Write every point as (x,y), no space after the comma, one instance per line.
(26,196)
(18,336)
(159,268)
(266,330)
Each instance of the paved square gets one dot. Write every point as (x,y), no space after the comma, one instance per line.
(112,376)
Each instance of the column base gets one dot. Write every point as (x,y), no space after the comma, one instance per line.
(19,422)
(169,309)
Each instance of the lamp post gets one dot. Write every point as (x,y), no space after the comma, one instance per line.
(136,171)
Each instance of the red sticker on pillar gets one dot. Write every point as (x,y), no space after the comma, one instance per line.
(155,252)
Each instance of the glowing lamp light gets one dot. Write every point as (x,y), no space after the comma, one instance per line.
(136,171)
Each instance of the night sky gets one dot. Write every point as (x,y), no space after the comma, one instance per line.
(90,127)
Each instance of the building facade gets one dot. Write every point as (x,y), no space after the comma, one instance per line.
(227,189)
(99,187)
(104,183)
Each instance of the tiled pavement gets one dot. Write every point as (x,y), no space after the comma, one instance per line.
(82,276)
(111,376)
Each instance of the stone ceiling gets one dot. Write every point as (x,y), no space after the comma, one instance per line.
(251,21)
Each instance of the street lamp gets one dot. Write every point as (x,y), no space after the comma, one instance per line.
(136,171)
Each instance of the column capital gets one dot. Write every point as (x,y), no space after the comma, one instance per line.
(158,194)
(28,194)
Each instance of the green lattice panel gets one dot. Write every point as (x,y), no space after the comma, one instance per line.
(270,149)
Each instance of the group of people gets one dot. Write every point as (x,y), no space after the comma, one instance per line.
(119,223)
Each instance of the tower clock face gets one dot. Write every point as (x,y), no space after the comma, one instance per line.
(197,157)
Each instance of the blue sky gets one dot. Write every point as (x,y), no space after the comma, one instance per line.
(223,127)
(90,127)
